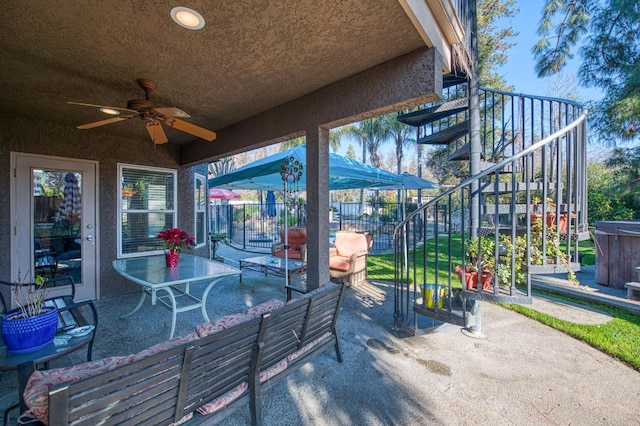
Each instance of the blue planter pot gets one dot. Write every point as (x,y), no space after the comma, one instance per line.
(22,335)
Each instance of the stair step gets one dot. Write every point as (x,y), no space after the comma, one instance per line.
(504,208)
(462,154)
(508,169)
(446,136)
(429,115)
(553,268)
(450,80)
(507,187)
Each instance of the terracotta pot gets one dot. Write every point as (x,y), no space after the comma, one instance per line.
(172,257)
(471,278)
(551,220)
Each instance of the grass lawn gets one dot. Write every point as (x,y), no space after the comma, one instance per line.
(381,267)
(619,338)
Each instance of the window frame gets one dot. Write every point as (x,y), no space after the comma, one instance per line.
(120,211)
(196,209)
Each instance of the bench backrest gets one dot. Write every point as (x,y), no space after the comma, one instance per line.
(185,377)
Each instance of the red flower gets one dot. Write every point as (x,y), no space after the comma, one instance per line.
(176,239)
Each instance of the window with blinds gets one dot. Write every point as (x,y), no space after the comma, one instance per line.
(147,206)
(200,209)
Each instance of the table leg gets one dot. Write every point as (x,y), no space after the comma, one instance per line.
(24,372)
(204,298)
(142,296)
(174,312)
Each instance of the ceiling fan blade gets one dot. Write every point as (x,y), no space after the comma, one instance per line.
(172,112)
(106,121)
(198,131)
(157,134)
(102,106)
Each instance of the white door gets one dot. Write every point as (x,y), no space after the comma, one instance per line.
(53,208)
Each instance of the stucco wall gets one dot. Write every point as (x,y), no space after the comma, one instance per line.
(37,137)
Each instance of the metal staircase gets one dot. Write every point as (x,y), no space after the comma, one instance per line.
(527,206)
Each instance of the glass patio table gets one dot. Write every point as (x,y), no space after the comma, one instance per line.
(152,274)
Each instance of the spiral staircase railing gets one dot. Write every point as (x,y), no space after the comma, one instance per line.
(531,203)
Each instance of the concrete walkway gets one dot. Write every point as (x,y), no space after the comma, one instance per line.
(522,373)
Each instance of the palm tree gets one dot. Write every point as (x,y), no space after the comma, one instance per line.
(335,136)
(371,134)
(402,136)
(292,143)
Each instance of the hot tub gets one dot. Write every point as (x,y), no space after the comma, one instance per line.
(617,252)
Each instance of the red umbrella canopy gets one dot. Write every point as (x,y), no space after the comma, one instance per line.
(219,193)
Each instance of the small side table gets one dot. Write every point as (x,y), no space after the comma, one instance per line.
(63,344)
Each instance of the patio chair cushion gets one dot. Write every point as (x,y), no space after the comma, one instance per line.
(37,389)
(263,308)
(306,348)
(36,393)
(226,399)
(347,243)
(207,328)
(348,259)
(341,263)
(163,346)
(297,238)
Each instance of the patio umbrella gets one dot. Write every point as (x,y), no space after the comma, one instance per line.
(270,208)
(410,181)
(71,205)
(344,173)
(223,194)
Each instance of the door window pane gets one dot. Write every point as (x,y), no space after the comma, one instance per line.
(57,223)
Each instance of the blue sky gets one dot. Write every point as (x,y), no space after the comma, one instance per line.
(519,71)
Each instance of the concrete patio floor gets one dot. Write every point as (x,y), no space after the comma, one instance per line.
(523,372)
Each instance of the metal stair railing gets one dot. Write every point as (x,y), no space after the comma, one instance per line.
(553,169)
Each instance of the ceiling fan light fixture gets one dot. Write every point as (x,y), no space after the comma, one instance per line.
(187,18)
(110,111)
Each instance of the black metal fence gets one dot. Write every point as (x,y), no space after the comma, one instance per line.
(248,226)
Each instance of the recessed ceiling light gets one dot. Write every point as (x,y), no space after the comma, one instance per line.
(187,18)
(110,111)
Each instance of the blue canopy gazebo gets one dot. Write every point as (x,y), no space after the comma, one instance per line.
(270,173)
(344,173)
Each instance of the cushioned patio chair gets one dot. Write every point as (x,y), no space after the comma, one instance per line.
(297,246)
(348,259)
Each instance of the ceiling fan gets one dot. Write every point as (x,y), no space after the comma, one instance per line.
(153,114)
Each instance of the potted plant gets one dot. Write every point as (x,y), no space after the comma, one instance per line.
(32,325)
(481,255)
(174,241)
(551,218)
(215,238)
(548,247)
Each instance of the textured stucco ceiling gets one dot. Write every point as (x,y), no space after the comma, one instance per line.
(251,56)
